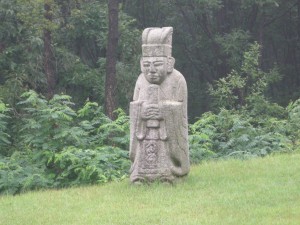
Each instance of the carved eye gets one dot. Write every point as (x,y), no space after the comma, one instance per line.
(156,64)
(146,64)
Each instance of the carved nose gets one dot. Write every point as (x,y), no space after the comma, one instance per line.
(152,68)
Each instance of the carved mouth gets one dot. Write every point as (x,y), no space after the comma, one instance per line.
(153,77)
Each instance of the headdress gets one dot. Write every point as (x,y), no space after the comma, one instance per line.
(157,41)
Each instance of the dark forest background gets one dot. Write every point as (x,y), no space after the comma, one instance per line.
(56,46)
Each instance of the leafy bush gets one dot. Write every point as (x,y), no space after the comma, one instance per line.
(293,110)
(243,83)
(234,133)
(75,166)
(49,125)
(20,173)
(247,125)
(60,147)
(4,135)
(53,125)
(200,138)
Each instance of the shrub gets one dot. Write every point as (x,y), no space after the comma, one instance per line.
(293,110)
(74,166)
(243,83)
(61,147)
(49,125)
(234,133)
(20,173)
(201,138)
(4,135)
(247,125)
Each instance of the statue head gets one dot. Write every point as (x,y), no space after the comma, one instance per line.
(157,61)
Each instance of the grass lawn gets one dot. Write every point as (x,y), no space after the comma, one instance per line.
(259,191)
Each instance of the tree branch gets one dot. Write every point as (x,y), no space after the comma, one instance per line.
(278,17)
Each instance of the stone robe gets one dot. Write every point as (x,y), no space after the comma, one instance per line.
(159,146)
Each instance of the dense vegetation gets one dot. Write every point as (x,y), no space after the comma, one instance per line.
(240,60)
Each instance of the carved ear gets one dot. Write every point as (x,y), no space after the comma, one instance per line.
(170,65)
(142,67)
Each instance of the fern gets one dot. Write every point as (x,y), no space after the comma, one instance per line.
(100,165)
(116,133)
(293,110)
(4,135)
(235,133)
(50,125)
(63,147)
(19,173)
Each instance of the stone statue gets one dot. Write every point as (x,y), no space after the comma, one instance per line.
(158,114)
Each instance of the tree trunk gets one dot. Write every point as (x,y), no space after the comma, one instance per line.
(111,58)
(48,59)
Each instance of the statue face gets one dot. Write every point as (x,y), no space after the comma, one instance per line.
(155,69)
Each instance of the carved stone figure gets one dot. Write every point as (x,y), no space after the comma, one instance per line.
(158,113)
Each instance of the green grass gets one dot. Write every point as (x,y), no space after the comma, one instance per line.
(258,191)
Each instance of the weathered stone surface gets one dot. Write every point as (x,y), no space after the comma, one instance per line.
(158,113)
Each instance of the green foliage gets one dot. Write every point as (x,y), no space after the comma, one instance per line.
(232,133)
(116,133)
(52,125)
(20,52)
(77,75)
(4,135)
(62,147)
(48,125)
(81,52)
(244,83)
(31,13)
(294,121)
(20,173)
(247,125)
(129,53)
(233,45)
(84,31)
(227,91)
(261,109)
(79,38)
(89,166)
(201,138)
(209,40)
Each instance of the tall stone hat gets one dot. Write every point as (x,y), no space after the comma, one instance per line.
(157,41)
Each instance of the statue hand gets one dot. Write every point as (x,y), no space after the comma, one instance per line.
(151,112)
